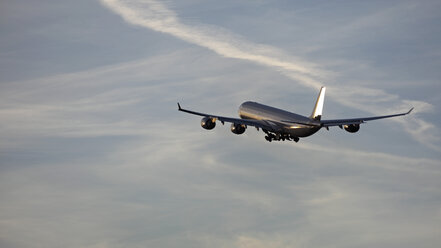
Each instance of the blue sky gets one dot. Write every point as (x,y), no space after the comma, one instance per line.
(94,153)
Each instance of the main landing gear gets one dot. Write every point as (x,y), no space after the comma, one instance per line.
(280,137)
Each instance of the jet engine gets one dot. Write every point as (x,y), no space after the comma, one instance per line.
(208,123)
(238,128)
(352,128)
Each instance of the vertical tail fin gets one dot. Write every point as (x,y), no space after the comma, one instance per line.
(318,108)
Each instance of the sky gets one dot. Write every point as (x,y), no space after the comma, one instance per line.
(93,152)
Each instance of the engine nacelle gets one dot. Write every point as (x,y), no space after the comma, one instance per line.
(208,123)
(238,128)
(352,128)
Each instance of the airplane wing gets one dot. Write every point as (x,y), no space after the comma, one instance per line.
(340,122)
(267,125)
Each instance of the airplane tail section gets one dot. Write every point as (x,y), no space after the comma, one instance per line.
(318,108)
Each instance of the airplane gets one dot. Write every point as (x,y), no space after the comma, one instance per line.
(281,125)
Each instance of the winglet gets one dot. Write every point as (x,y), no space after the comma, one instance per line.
(179,107)
(409,111)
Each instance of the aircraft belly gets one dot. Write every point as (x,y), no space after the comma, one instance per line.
(302,131)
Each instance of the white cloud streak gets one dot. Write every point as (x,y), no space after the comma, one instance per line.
(66,105)
(97,154)
(156,16)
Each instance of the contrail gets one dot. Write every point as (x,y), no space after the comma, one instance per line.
(156,16)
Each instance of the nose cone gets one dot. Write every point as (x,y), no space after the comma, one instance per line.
(246,104)
(241,107)
(244,107)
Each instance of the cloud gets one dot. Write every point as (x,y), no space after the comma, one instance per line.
(102,158)
(94,103)
(156,16)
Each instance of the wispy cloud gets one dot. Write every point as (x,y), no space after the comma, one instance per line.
(84,104)
(103,154)
(156,16)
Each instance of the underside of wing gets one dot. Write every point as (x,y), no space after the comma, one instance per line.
(247,122)
(354,121)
